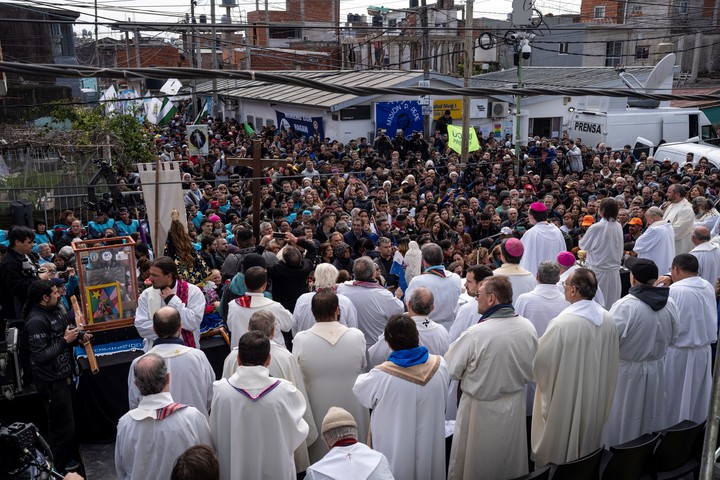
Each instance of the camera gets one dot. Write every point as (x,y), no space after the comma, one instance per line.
(279,235)
(525,49)
(23,452)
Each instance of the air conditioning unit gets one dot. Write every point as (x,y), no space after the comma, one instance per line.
(499,109)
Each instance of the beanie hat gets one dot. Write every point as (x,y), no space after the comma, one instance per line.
(337,417)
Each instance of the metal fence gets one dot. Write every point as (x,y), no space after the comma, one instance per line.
(50,179)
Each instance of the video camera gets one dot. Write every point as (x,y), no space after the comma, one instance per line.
(24,453)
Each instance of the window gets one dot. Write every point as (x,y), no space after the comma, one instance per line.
(250,119)
(642,53)
(613,54)
(563,48)
(284,32)
(599,11)
(637,10)
(683,7)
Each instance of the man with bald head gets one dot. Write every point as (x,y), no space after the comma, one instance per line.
(707,254)
(680,214)
(193,375)
(444,285)
(657,243)
(151,436)
(432,335)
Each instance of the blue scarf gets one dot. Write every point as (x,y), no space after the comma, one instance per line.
(409,357)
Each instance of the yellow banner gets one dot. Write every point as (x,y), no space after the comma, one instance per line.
(455,139)
(454,105)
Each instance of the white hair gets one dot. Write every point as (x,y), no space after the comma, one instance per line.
(325,276)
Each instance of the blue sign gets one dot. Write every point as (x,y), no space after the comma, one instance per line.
(307,126)
(405,115)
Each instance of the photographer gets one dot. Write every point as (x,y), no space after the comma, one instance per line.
(382,144)
(50,338)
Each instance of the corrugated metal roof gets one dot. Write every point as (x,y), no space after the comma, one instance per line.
(271,92)
(575,77)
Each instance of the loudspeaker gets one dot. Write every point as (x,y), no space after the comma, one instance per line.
(21,212)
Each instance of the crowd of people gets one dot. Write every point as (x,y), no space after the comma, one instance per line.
(392,295)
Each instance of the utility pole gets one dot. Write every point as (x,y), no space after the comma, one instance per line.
(97,38)
(468,71)
(426,58)
(517,143)
(193,60)
(213,34)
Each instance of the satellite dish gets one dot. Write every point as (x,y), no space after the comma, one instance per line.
(662,70)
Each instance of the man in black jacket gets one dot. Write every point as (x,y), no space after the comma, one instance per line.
(50,337)
(17,271)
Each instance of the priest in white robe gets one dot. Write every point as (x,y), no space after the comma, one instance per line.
(647,323)
(679,213)
(282,365)
(603,242)
(325,277)
(543,241)
(468,313)
(511,253)
(347,457)
(168,289)
(657,243)
(331,356)
(242,308)
(575,368)
(444,285)
(192,374)
(567,263)
(151,436)
(493,361)
(373,303)
(688,360)
(433,336)
(407,396)
(545,302)
(256,420)
(707,254)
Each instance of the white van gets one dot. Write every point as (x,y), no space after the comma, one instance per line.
(677,152)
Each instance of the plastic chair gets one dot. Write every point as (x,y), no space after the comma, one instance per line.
(676,455)
(585,468)
(631,460)
(539,474)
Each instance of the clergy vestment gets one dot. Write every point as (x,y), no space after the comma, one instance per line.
(603,242)
(682,218)
(522,280)
(657,243)
(540,306)
(542,242)
(191,376)
(467,316)
(445,287)
(151,436)
(191,313)
(331,356)
(408,420)
(303,317)
(284,365)
(257,423)
(646,329)
(708,256)
(575,369)
(493,361)
(433,336)
(374,306)
(241,309)
(352,462)
(688,360)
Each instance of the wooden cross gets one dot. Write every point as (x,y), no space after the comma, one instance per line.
(257,164)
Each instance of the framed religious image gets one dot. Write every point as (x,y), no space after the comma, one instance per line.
(108,281)
(103,302)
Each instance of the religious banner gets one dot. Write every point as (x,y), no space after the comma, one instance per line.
(455,139)
(307,126)
(393,116)
(161,202)
(197,139)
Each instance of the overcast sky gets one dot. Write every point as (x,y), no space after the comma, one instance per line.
(175,10)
